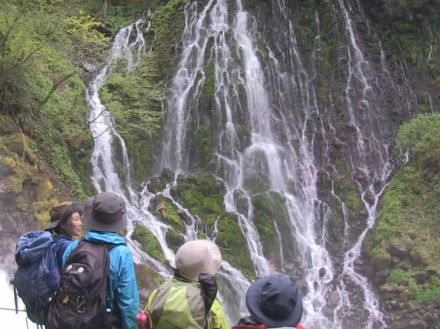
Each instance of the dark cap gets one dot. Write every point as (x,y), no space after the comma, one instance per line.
(274,301)
(105,212)
(61,212)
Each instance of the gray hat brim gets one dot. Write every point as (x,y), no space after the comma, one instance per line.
(95,225)
(253,305)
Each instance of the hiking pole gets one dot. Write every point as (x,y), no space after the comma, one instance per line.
(11,309)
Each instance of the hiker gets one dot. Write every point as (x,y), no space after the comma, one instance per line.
(65,224)
(188,301)
(273,302)
(39,258)
(104,215)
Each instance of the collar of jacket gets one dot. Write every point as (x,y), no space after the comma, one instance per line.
(104,238)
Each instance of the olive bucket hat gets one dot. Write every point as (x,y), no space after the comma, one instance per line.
(61,212)
(274,301)
(105,212)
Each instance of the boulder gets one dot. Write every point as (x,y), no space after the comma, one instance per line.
(381,262)
(398,251)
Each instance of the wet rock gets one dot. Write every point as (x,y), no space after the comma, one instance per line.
(417,323)
(404,266)
(398,251)
(395,260)
(334,299)
(416,257)
(381,277)
(322,272)
(387,288)
(381,262)
(167,175)
(421,277)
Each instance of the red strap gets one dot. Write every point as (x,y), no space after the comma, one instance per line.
(300,326)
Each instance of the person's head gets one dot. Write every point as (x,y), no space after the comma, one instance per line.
(196,257)
(105,212)
(65,219)
(274,301)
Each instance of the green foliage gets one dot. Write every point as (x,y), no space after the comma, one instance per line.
(18,58)
(420,293)
(166,15)
(426,293)
(421,136)
(83,27)
(49,103)
(87,41)
(134,98)
(119,16)
(408,215)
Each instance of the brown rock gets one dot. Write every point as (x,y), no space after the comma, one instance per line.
(398,251)
(381,262)
(421,277)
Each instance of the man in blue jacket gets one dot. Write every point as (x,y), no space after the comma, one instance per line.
(104,215)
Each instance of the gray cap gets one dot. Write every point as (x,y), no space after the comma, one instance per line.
(105,212)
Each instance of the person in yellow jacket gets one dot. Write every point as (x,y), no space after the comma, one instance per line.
(188,301)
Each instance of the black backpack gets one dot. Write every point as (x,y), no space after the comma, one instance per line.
(80,301)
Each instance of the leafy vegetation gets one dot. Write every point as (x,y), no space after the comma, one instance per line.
(409,213)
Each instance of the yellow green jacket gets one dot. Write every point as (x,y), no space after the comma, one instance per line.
(179,305)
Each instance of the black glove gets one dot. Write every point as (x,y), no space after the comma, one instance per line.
(208,284)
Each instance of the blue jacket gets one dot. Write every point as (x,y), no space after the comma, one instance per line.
(61,241)
(122,290)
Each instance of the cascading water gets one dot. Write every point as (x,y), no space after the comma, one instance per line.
(128,46)
(280,110)
(105,176)
(286,148)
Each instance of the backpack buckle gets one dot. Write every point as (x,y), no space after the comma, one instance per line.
(81,304)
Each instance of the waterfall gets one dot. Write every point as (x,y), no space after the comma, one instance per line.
(272,139)
(128,45)
(289,144)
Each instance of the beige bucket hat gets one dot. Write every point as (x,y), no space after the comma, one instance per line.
(196,257)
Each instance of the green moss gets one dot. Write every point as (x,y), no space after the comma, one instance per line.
(346,189)
(408,214)
(202,195)
(169,214)
(233,244)
(174,239)
(204,142)
(419,293)
(148,242)
(267,209)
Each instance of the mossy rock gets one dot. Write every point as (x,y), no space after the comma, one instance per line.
(148,242)
(45,189)
(233,244)
(174,239)
(270,209)
(346,188)
(202,195)
(168,212)
(147,280)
